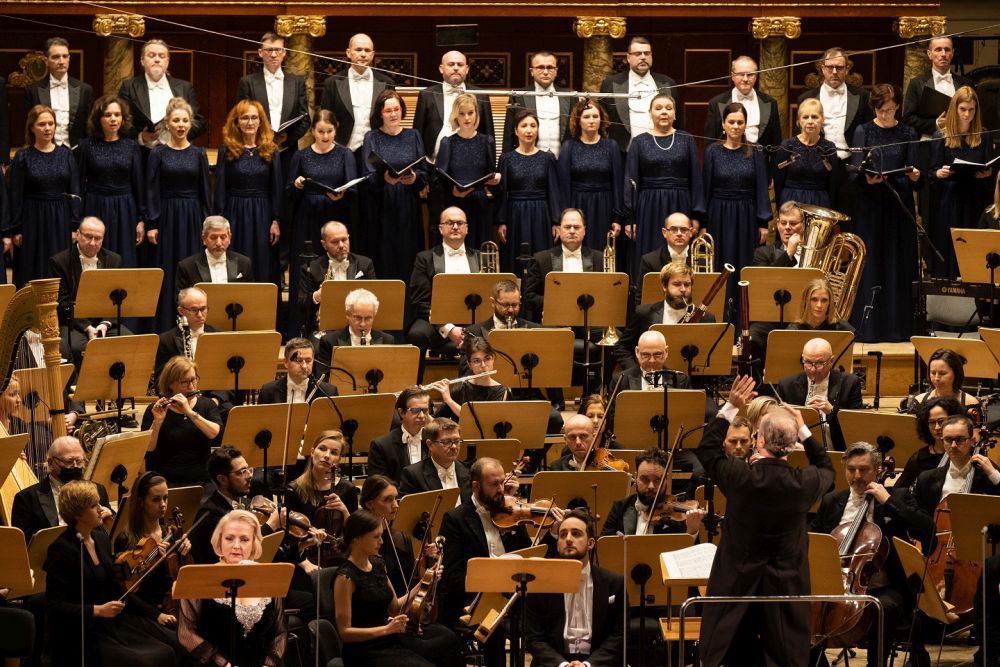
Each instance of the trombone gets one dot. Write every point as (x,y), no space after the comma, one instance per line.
(489,257)
(611,333)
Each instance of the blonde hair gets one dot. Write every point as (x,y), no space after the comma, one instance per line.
(74,498)
(810,103)
(463,100)
(178,104)
(173,371)
(759,407)
(304,484)
(952,134)
(236,515)
(813,286)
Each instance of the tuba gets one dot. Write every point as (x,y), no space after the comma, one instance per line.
(489,257)
(610,257)
(840,256)
(703,254)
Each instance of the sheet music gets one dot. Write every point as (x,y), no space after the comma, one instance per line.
(690,563)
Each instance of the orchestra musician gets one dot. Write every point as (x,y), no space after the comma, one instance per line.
(895,512)
(946,375)
(360,307)
(817,311)
(205,624)
(346,265)
(217,264)
(791,232)
(578,434)
(404,444)
(737,442)
(364,597)
(39,431)
(82,593)
(569,256)
(299,385)
(931,416)
(192,303)
(479,356)
(678,230)
(380,497)
(584,628)
(761,553)
(441,469)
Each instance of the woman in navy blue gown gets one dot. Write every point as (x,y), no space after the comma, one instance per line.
(965,192)
(328,164)
(736,194)
(466,156)
(394,203)
(111,177)
(663,176)
(590,173)
(805,166)
(248,186)
(42,216)
(528,210)
(177,196)
(888,232)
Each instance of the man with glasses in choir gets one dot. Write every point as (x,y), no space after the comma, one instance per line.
(553,112)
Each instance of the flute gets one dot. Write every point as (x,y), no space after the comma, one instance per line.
(425,387)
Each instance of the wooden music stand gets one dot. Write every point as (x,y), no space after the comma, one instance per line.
(260,580)
(533,357)
(774,292)
(241,306)
(895,431)
(698,349)
(652,292)
(38,551)
(360,418)
(391,295)
(237,359)
(269,545)
(613,550)
(11,447)
(637,414)
(524,420)
(824,565)
(973,250)
(979,359)
(259,431)
(371,369)
(116,368)
(118,293)
(34,386)
(15,570)
(126,449)
(185,498)
(784,351)
(413,506)
(970,514)
(505,450)
(600,488)
(492,602)
(988,335)
(591,300)
(463,298)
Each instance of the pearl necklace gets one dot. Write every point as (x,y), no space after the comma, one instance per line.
(673,137)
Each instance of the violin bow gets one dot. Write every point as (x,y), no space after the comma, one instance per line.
(663,480)
(423,545)
(541,524)
(170,550)
(395,552)
(599,431)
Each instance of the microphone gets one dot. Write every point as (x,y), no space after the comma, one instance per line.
(791,160)
(71,197)
(354,382)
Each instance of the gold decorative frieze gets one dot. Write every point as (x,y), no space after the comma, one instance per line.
(132,25)
(909,27)
(287,25)
(33,68)
(789,27)
(589,26)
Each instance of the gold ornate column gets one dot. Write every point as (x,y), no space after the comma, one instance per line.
(908,27)
(119,53)
(774,33)
(299,32)
(597,33)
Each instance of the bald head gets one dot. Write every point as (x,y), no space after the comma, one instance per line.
(454,68)
(817,346)
(651,352)
(677,231)
(361,52)
(579,434)
(817,359)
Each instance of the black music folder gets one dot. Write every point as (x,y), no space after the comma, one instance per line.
(376,160)
(932,103)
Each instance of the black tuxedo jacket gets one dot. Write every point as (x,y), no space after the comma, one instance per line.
(215,507)
(171,345)
(859,111)
(518,102)
(429,118)
(843,392)
(644,317)
(551,260)
(387,455)
(653,261)
(338,337)
(277,391)
(293,103)
(426,265)
(194,269)
(770,122)
(422,476)
(136,93)
(359,267)
(927,492)
(34,508)
(911,101)
(337,98)
(66,267)
(546,617)
(617,107)
(4,124)
(81,99)
(772,255)
(483,329)
(623,518)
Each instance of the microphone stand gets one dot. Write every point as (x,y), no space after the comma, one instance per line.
(878,376)
(866,317)
(83,609)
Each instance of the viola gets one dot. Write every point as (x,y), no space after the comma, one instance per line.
(262,508)
(301,528)
(603,459)
(517,512)
(137,561)
(422,608)
(332,522)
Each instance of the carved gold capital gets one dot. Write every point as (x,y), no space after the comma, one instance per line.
(589,26)
(287,25)
(106,25)
(776,26)
(909,27)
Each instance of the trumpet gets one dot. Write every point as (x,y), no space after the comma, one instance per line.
(610,258)
(489,257)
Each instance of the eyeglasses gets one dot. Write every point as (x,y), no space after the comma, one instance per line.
(835,68)
(187,381)
(936,423)
(418,411)
(449,443)
(679,230)
(249,119)
(454,223)
(808,363)
(201,310)
(70,463)
(243,472)
(955,439)
(640,54)
(508,305)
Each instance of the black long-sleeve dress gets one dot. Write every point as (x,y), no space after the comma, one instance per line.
(204,627)
(181,448)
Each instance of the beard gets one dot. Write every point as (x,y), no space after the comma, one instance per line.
(676,302)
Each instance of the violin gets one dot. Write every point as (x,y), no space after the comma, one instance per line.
(262,508)
(299,527)
(135,562)
(517,512)
(603,459)
(422,608)
(671,510)
(598,457)
(332,522)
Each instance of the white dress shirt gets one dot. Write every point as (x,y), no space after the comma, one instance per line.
(356,338)
(412,443)
(297,392)
(449,479)
(275,84)
(650,386)
(217,268)
(547,109)
(56,488)
(638,116)
(642,517)
(834,101)
(361,106)
(59,101)
(500,324)
(957,480)
(752,104)
(943,83)
(579,629)
(493,541)
(678,256)
(821,388)
(455,261)
(854,503)
(450,93)
(159,95)
(195,335)
(572,260)
(672,315)
(88,263)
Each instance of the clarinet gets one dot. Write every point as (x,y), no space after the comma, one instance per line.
(182,324)
(744,342)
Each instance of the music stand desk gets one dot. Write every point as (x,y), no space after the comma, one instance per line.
(391,295)
(767,283)
(541,357)
(38,551)
(493,602)
(371,413)
(970,513)
(784,351)
(879,428)
(412,508)
(636,410)
(134,356)
(251,426)
(253,304)
(138,291)
(15,569)
(506,450)
(501,575)
(11,447)
(221,354)
(642,550)
(125,449)
(652,292)
(565,292)
(602,487)
(397,363)
(463,298)
(699,339)
(980,362)
(972,246)
(522,420)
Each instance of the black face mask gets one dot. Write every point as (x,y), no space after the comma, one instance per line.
(70,475)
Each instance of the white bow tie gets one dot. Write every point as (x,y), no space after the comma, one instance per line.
(361,77)
(938,78)
(456,253)
(216,262)
(53,84)
(340,264)
(446,475)
(837,91)
(744,98)
(453,90)
(651,379)
(572,255)
(159,85)
(277,76)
